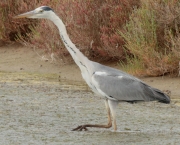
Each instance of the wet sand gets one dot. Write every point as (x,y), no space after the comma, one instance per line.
(44,110)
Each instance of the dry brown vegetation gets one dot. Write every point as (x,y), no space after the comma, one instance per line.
(144,32)
(9,28)
(152,37)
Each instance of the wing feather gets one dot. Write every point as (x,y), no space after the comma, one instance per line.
(122,88)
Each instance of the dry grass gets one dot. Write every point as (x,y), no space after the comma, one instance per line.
(10,28)
(152,36)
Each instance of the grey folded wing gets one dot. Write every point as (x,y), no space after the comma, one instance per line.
(122,87)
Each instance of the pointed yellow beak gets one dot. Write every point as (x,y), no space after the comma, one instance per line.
(25,15)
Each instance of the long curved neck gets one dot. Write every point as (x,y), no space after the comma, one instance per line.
(78,57)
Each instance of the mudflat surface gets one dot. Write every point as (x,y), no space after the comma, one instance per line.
(44,111)
(41,101)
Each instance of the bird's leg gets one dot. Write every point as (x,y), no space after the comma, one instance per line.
(112,105)
(81,127)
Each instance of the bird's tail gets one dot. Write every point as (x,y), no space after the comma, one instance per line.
(161,97)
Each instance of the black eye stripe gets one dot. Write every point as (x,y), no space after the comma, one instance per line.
(46,8)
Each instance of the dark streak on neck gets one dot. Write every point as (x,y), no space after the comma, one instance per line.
(82,64)
(67,44)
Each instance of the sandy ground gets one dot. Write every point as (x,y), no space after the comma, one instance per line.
(17,58)
(41,101)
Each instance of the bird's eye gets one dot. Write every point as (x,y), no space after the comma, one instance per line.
(41,11)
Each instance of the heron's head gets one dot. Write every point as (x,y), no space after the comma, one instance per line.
(40,12)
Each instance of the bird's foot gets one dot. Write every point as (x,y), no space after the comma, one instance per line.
(80,128)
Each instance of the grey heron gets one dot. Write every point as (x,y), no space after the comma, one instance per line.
(111,84)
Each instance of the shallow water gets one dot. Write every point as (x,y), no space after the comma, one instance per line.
(40,109)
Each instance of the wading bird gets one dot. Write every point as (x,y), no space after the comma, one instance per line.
(111,84)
